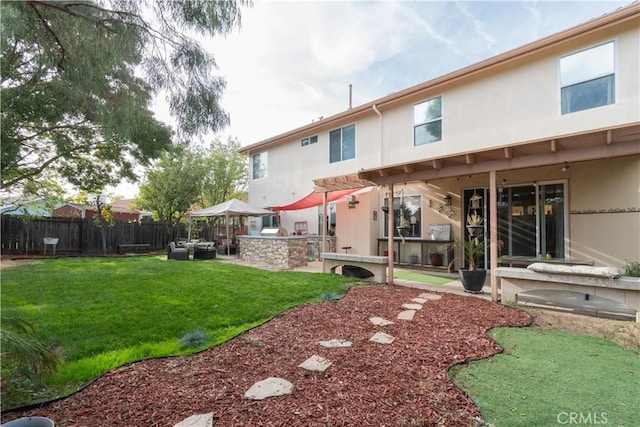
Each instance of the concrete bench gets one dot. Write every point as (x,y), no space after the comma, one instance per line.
(377,265)
(574,289)
(131,248)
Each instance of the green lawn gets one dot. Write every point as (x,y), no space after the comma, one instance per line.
(421,277)
(104,312)
(547,378)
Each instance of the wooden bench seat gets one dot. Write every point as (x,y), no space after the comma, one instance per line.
(133,248)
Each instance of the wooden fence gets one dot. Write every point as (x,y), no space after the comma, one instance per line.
(25,236)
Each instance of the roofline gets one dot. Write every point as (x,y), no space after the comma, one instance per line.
(618,16)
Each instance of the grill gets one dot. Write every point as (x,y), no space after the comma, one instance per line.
(274,232)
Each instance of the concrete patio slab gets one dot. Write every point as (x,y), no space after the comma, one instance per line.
(199,420)
(316,364)
(336,343)
(431,297)
(406,315)
(382,338)
(379,321)
(269,387)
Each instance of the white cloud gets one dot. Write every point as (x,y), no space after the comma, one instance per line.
(292,62)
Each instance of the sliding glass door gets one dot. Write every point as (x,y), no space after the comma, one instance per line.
(532,220)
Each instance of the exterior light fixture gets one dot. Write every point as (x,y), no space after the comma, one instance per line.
(565,167)
(447,200)
(385,205)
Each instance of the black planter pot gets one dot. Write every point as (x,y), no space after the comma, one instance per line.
(473,281)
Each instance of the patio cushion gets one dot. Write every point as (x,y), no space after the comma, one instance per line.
(577,270)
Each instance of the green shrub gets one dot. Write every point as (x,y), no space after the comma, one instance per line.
(193,339)
(632,268)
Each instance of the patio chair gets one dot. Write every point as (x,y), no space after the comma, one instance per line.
(181,254)
(224,245)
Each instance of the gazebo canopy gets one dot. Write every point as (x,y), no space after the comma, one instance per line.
(230,208)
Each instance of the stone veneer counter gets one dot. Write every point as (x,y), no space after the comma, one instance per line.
(280,252)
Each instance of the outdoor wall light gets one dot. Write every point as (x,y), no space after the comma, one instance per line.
(385,205)
(565,167)
(447,200)
(353,202)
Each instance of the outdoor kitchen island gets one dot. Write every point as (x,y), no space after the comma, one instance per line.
(277,250)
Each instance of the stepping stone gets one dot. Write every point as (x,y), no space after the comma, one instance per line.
(419,300)
(200,420)
(431,297)
(406,315)
(336,343)
(412,306)
(316,364)
(269,387)
(379,321)
(382,338)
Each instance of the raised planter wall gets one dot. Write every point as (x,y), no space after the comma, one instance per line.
(518,281)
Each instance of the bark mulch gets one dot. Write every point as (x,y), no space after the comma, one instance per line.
(369,384)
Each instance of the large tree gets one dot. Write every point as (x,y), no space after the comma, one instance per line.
(172,186)
(78,77)
(226,176)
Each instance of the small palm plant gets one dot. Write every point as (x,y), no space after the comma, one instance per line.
(472,249)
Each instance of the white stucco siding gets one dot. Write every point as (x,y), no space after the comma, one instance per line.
(519,102)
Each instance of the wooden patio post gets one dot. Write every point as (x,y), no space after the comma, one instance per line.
(390,220)
(493,234)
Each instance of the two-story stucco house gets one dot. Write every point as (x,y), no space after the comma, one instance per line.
(541,142)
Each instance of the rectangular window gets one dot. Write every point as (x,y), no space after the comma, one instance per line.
(342,144)
(308,141)
(587,78)
(260,165)
(407,215)
(427,121)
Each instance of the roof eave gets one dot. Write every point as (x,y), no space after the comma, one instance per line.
(597,24)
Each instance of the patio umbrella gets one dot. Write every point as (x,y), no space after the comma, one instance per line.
(228,209)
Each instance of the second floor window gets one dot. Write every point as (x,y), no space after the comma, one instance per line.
(260,165)
(308,141)
(587,78)
(342,144)
(427,121)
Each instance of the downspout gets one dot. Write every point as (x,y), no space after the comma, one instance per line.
(390,218)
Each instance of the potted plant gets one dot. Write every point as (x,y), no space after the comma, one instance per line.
(436,258)
(474,224)
(472,277)
(403,226)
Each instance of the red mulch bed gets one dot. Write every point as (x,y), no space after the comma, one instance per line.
(369,384)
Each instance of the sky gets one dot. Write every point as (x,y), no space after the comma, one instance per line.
(292,62)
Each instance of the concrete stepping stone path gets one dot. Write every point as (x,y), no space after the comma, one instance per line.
(431,297)
(336,343)
(412,306)
(316,364)
(382,338)
(200,420)
(269,387)
(273,386)
(379,321)
(406,315)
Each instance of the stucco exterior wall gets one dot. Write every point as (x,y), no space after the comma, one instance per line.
(605,211)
